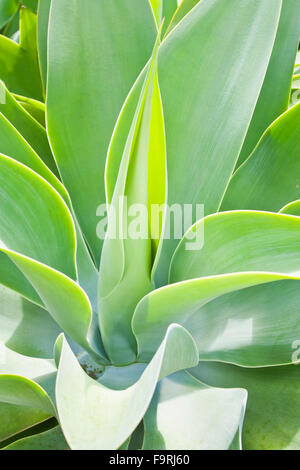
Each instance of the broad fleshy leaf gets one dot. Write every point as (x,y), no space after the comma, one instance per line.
(274,96)
(272,413)
(23,402)
(202,153)
(189,415)
(118,42)
(26,328)
(42,244)
(19,67)
(269,178)
(128,253)
(7,10)
(33,107)
(28,127)
(241,283)
(53,439)
(101,418)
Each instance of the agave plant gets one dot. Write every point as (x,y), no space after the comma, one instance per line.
(143,338)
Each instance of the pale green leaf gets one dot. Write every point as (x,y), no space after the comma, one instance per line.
(116,42)
(186,414)
(19,67)
(269,178)
(273,411)
(97,417)
(274,96)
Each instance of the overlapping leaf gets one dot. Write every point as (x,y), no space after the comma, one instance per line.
(272,413)
(101,418)
(269,178)
(243,279)
(274,96)
(89,77)
(19,67)
(187,414)
(127,256)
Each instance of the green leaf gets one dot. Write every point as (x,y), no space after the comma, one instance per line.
(239,241)
(42,29)
(7,10)
(42,243)
(93,416)
(13,144)
(53,439)
(211,137)
(163,10)
(269,178)
(241,283)
(19,67)
(38,225)
(183,9)
(11,276)
(274,96)
(127,255)
(116,42)
(32,4)
(33,107)
(187,414)
(293,208)
(272,414)
(24,327)
(23,402)
(28,127)
(210,150)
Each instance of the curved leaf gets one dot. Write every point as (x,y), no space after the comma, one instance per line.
(233,315)
(189,415)
(42,243)
(23,403)
(26,328)
(183,9)
(269,177)
(211,137)
(19,67)
(39,225)
(128,253)
(53,439)
(33,107)
(239,241)
(275,93)
(273,412)
(28,127)
(100,418)
(120,38)
(7,10)
(293,208)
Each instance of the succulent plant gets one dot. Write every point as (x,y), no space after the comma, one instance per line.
(120,329)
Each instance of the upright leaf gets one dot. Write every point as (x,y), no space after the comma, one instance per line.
(42,30)
(202,153)
(269,178)
(19,67)
(274,96)
(127,257)
(28,127)
(115,42)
